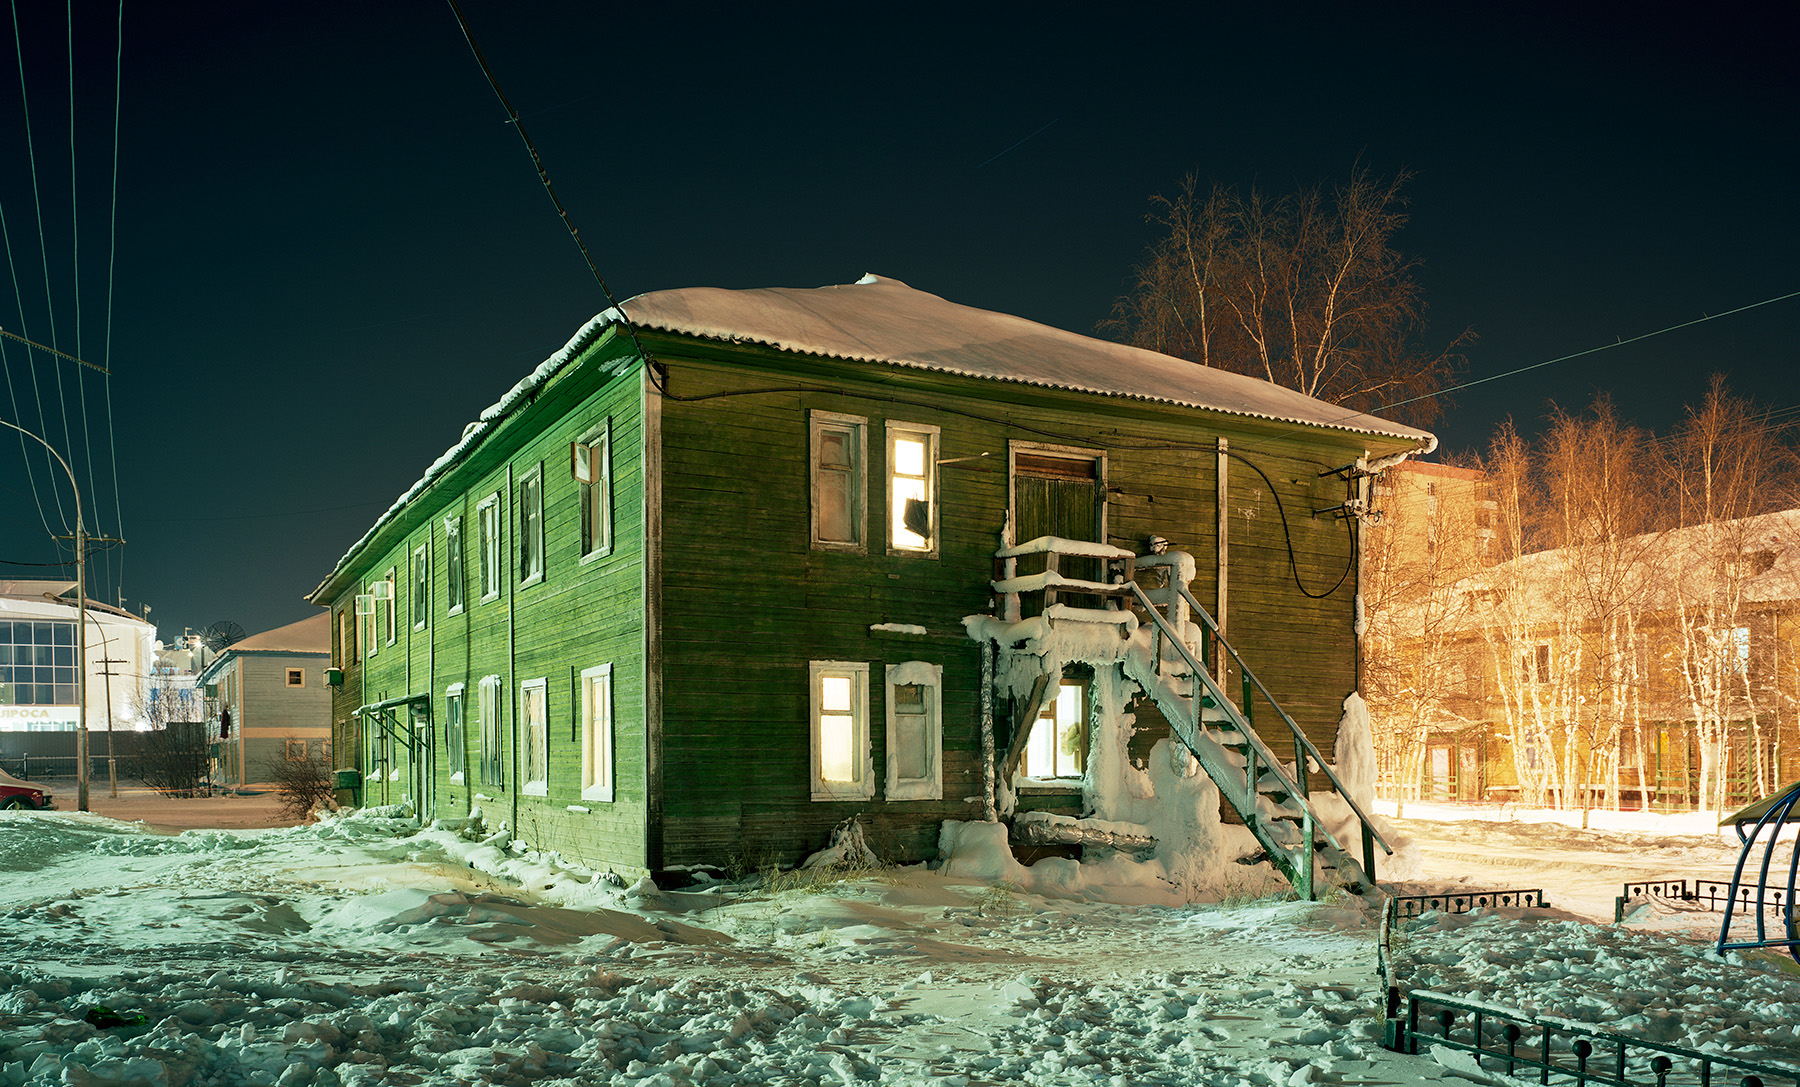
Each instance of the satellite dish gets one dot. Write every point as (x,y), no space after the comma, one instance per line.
(221,634)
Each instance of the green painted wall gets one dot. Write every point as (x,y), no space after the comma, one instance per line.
(582,612)
(748,601)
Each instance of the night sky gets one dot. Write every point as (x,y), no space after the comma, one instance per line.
(332,251)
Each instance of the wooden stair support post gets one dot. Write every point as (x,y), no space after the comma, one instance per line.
(1041,693)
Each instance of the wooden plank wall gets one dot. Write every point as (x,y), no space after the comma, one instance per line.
(581,614)
(748,603)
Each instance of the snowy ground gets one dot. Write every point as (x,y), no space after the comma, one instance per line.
(358,951)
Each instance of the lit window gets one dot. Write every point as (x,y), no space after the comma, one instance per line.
(531,526)
(534,717)
(912,487)
(421,587)
(453,565)
(915,735)
(838,453)
(488,708)
(596,733)
(1057,747)
(455,743)
(840,731)
(592,468)
(487,519)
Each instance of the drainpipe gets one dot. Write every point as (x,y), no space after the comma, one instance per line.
(512,647)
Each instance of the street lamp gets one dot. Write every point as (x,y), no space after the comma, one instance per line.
(81,733)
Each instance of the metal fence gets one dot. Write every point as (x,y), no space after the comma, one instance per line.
(1500,1039)
(61,770)
(1711,894)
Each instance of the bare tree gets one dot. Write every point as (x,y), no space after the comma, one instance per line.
(1725,464)
(1304,290)
(173,758)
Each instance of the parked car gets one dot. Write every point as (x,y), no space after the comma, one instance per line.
(23,794)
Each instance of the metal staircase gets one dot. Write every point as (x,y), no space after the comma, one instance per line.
(1272,802)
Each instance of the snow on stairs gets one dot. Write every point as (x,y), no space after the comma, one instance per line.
(1249,775)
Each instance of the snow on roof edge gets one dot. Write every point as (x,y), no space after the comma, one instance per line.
(475,432)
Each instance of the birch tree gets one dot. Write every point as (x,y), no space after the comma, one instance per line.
(1725,464)
(1306,290)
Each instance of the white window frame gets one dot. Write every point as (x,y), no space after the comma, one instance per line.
(389,626)
(529,506)
(456,581)
(487,526)
(857,672)
(534,738)
(593,454)
(1048,718)
(896,505)
(421,585)
(296,677)
(597,733)
(930,785)
(491,747)
(856,428)
(456,728)
(372,645)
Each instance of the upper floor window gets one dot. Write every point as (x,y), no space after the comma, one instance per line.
(453,565)
(390,603)
(592,467)
(296,677)
(487,567)
(912,487)
(839,453)
(531,525)
(421,586)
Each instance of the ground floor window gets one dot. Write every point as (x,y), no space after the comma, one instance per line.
(915,734)
(488,708)
(1058,744)
(534,721)
(455,743)
(841,763)
(596,733)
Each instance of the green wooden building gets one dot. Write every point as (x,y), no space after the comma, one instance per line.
(733,567)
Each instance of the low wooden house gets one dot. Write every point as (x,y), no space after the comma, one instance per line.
(268,702)
(736,566)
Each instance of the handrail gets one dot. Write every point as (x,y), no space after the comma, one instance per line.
(1271,760)
(1299,736)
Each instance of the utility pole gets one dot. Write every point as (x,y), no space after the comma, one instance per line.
(81,730)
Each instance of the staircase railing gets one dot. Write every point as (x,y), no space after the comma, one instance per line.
(1166,634)
(1301,743)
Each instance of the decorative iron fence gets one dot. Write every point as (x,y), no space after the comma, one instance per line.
(1506,1040)
(1405,907)
(1712,894)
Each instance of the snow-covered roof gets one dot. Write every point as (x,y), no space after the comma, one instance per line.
(885,321)
(1756,559)
(309,635)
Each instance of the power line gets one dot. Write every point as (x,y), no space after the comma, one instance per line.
(1579,354)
